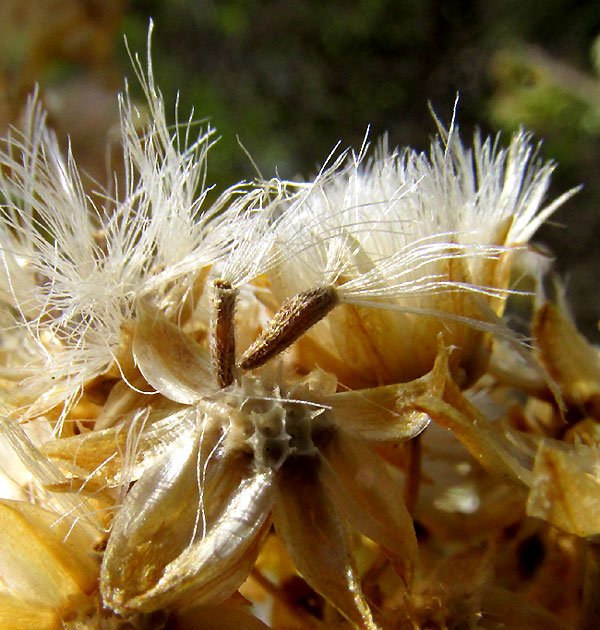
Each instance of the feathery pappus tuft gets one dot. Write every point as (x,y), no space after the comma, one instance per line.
(73,264)
(410,243)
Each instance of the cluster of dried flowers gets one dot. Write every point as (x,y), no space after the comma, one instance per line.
(304,396)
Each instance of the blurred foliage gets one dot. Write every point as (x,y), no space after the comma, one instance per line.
(66,47)
(536,91)
(291,79)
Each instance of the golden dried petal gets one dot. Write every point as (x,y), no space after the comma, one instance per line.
(390,345)
(318,540)
(372,341)
(45,559)
(389,413)
(98,452)
(370,500)
(571,361)
(472,347)
(215,565)
(492,271)
(16,614)
(500,450)
(154,524)
(508,367)
(566,488)
(121,402)
(485,441)
(169,544)
(309,353)
(381,414)
(169,359)
(125,449)
(124,366)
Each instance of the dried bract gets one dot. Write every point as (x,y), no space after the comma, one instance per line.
(192,526)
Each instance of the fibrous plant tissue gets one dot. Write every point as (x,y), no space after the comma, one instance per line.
(297,404)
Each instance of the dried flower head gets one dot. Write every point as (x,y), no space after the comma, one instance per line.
(406,245)
(210,474)
(73,265)
(366,304)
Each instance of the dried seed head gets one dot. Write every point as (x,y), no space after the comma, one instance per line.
(222,346)
(269,423)
(292,320)
(281,430)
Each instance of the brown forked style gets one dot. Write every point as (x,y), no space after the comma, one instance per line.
(293,319)
(223,332)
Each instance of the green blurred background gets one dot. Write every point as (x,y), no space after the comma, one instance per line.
(290,79)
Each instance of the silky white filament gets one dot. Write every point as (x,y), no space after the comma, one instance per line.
(72,270)
(385,233)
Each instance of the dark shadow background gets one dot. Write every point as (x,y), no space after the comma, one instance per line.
(292,78)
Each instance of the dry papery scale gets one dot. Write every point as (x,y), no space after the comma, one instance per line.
(282,444)
(196,458)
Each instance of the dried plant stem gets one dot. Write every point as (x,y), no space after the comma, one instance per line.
(293,319)
(590,614)
(413,473)
(223,332)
